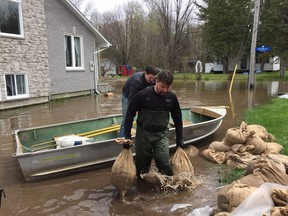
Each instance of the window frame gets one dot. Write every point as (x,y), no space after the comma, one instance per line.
(17,96)
(21,25)
(73,67)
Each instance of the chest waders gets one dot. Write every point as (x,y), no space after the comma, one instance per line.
(151,141)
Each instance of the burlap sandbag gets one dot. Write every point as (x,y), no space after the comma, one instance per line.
(234,136)
(279,211)
(218,146)
(181,163)
(261,132)
(259,144)
(270,172)
(211,155)
(239,161)
(238,193)
(279,158)
(273,148)
(252,180)
(123,172)
(191,151)
(261,162)
(240,148)
(280,197)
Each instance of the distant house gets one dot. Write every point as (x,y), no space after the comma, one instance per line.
(272,64)
(48,50)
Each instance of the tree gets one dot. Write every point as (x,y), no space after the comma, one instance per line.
(123,28)
(225,29)
(171,19)
(273,29)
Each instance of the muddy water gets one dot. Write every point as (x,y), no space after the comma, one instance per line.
(91,192)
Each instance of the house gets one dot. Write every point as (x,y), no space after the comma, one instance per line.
(48,50)
(272,64)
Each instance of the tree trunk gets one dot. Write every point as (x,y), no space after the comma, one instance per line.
(283,64)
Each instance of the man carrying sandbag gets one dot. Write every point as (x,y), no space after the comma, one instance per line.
(154,104)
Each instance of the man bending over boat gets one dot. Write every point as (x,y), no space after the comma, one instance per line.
(135,83)
(154,104)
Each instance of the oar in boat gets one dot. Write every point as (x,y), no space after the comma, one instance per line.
(80,134)
(90,134)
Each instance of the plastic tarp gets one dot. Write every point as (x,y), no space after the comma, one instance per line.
(259,202)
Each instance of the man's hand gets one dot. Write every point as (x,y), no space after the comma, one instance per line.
(180,143)
(127,144)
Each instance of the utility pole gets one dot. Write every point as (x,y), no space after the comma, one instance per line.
(253,45)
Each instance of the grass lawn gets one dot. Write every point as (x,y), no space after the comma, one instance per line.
(274,118)
(269,76)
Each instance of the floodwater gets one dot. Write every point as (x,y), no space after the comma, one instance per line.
(91,192)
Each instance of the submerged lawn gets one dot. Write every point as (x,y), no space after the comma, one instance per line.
(274,118)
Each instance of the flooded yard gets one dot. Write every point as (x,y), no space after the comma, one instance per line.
(91,192)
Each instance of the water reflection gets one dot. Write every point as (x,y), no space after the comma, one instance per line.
(91,193)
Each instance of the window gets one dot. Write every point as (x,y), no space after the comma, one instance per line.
(11,21)
(16,86)
(74,52)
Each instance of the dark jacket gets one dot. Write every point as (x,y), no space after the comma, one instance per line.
(134,84)
(148,99)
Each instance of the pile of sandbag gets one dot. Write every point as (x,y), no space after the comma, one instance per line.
(241,145)
(258,172)
(267,199)
(253,148)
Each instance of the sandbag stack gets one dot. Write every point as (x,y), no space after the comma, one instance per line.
(242,145)
(250,147)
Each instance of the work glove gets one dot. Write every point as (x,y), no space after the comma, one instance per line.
(127,144)
(180,143)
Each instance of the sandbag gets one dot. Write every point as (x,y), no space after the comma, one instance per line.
(234,136)
(240,148)
(270,172)
(181,163)
(280,158)
(253,180)
(279,211)
(261,132)
(273,148)
(191,151)
(123,172)
(239,161)
(218,146)
(258,203)
(280,197)
(238,193)
(261,162)
(218,157)
(257,142)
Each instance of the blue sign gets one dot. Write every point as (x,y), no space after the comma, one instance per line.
(263,48)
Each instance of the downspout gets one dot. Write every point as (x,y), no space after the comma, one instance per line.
(96,70)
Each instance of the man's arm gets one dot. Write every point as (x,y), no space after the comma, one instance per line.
(176,115)
(132,109)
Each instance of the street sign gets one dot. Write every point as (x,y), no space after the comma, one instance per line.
(263,48)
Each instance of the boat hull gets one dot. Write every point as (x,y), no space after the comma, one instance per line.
(49,161)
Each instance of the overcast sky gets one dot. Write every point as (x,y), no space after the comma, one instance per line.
(106,5)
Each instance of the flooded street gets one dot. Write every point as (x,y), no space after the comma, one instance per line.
(91,192)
